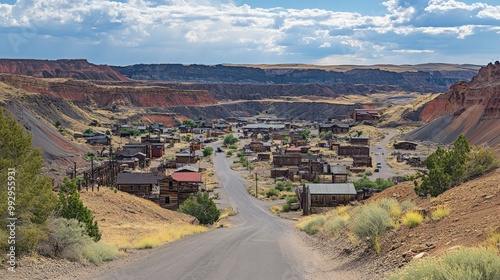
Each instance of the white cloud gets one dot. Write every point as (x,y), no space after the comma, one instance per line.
(219,28)
(447,5)
(413,51)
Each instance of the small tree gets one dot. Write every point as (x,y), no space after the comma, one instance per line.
(189,123)
(230,140)
(207,151)
(447,168)
(88,131)
(202,207)
(71,207)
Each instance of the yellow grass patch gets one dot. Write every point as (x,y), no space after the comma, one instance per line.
(149,236)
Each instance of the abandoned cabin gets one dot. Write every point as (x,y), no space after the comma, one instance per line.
(314,197)
(365,115)
(177,187)
(138,184)
(335,128)
(362,141)
(404,145)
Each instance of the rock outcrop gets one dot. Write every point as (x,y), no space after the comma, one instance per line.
(469,108)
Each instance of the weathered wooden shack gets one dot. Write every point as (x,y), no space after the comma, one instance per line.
(139,184)
(177,187)
(314,197)
(353,150)
(405,145)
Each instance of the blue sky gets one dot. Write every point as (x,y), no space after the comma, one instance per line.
(252,31)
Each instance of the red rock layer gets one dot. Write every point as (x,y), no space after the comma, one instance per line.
(106,96)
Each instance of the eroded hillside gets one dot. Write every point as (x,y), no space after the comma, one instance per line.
(469,108)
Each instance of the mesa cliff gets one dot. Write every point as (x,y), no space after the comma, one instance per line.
(79,69)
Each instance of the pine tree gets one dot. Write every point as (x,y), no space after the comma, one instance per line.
(71,207)
(35,200)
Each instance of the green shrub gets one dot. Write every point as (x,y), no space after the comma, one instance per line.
(201,207)
(407,204)
(229,140)
(280,186)
(467,263)
(371,221)
(334,226)
(272,192)
(233,146)
(229,153)
(98,252)
(412,219)
(286,207)
(63,238)
(288,203)
(390,205)
(208,151)
(313,225)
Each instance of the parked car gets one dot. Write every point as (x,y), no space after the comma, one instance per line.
(377,170)
(219,150)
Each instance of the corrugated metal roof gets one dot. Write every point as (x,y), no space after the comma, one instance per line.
(187,177)
(338,169)
(338,188)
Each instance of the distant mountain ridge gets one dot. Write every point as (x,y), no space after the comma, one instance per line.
(436,80)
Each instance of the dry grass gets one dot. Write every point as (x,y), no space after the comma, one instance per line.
(127,221)
(412,219)
(440,212)
(151,235)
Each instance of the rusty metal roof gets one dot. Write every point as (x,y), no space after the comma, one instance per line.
(187,177)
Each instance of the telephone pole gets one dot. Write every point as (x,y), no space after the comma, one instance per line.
(256,190)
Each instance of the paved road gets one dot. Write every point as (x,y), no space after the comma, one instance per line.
(259,246)
(380,154)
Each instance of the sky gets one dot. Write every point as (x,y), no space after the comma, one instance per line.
(323,32)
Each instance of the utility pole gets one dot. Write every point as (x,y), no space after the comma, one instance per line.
(256,191)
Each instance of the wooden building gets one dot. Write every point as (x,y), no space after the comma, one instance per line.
(139,184)
(404,145)
(313,197)
(335,128)
(263,156)
(287,160)
(176,188)
(365,115)
(186,158)
(353,150)
(362,161)
(363,141)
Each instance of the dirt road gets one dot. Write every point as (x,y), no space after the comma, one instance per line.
(259,246)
